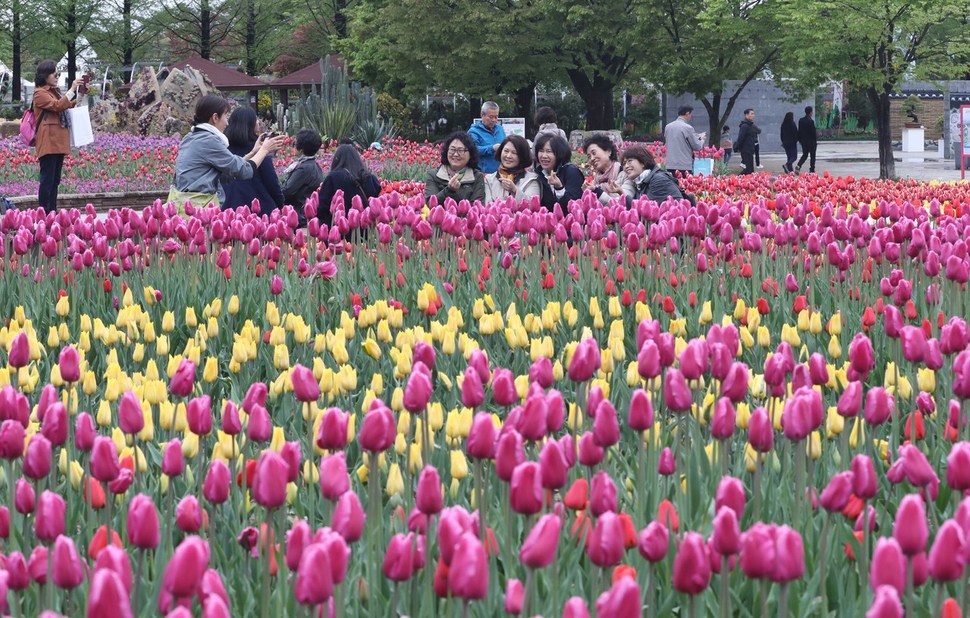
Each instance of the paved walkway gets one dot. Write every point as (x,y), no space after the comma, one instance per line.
(861,159)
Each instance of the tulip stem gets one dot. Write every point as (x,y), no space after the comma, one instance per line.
(651,592)
(764,598)
(725,588)
(529,595)
(374,515)
(799,482)
(783,601)
(724,452)
(480,498)
(864,558)
(938,604)
(394,598)
(11,502)
(757,486)
(909,586)
(264,588)
(464,609)
(823,551)
(137,583)
(691,606)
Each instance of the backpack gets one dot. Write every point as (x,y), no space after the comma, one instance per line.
(28,127)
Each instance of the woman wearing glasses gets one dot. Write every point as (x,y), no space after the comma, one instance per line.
(457,177)
(53,140)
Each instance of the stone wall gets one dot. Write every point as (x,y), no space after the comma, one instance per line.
(769,102)
(102,201)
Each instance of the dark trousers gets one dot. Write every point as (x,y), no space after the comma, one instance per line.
(747,158)
(791,152)
(757,154)
(50,179)
(808,153)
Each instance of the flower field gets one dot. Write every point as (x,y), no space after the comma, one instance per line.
(755,407)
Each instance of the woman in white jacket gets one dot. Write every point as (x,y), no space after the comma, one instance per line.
(515,176)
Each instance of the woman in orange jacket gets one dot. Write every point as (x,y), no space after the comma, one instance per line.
(53,139)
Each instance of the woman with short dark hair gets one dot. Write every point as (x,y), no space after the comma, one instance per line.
(514,177)
(649,180)
(348,173)
(458,176)
(559,180)
(53,138)
(546,120)
(264,185)
(204,158)
(609,180)
(304,175)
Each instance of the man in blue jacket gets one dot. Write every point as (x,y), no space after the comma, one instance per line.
(487,134)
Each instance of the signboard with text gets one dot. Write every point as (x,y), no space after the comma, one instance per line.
(513,126)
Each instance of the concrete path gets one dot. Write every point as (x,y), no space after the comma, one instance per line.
(861,159)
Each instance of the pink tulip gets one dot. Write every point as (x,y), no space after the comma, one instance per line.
(958,467)
(653,541)
(378,430)
(758,559)
(334,480)
(514,597)
(640,416)
(861,356)
(648,361)
(575,607)
(428,497)
(49,519)
(183,381)
(198,413)
(173,463)
(481,437)
(217,483)
(726,537)
(947,557)
(961,375)
(468,572)
(305,385)
(18,577)
(19,354)
(4,522)
(836,494)
(879,406)
(605,546)
(504,392)
(69,363)
(256,394)
(539,548)
(188,515)
(293,456)
(540,372)
(790,555)
(25,500)
(723,421)
(67,570)
(425,354)
(914,344)
(276,285)
(479,361)
(108,596)
(886,604)
(37,459)
(231,424)
(622,599)
(131,419)
(554,466)
(525,489)
(533,422)
(695,359)
(606,425)
(349,517)
(269,480)
(509,453)
(585,362)
(472,391)
(417,392)
(332,434)
(888,566)
(590,453)
(55,424)
(677,395)
(37,564)
(602,494)
(12,437)
(142,523)
(84,432)
(730,494)
(115,559)
(297,539)
(692,568)
(850,402)
(399,558)
(864,481)
(314,578)
(666,465)
(186,567)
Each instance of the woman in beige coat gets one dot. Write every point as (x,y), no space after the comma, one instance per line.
(53,139)
(514,176)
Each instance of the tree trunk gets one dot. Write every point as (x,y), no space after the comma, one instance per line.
(250,37)
(71,37)
(16,94)
(205,30)
(524,98)
(340,18)
(597,94)
(127,40)
(715,122)
(880,102)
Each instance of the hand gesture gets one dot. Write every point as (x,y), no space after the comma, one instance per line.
(272,144)
(76,84)
(612,187)
(508,185)
(554,181)
(455,182)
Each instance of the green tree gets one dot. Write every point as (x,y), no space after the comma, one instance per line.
(197,26)
(877,45)
(129,28)
(705,43)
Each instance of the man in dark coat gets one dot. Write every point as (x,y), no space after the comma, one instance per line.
(747,136)
(808,138)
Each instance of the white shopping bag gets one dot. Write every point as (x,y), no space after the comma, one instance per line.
(79,121)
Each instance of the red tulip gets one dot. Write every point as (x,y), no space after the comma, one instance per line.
(269,481)
(217,483)
(143,528)
(183,381)
(67,570)
(314,579)
(49,519)
(349,517)
(539,548)
(428,497)
(468,571)
(185,568)
(108,596)
(69,363)
(37,459)
(378,430)
(173,463)
(99,542)
(305,385)
(525,489)
(692,568)
(399,558)
(653,541)
(606,543)
(888,566)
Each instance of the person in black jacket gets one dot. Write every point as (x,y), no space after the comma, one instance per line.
(304,175)
(559,180)
(648,180)
(747,136)
(349,174)
(789,140)
(808,138)
(264,185)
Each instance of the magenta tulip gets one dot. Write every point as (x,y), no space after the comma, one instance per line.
(216,486)
(131,418)
(84,432)
(692,568)
(539,548)
(837,493)
(67,570)
(472,391)
(958,467)
(606,544)
(514,597)
(69,363)
(525,489)
(19,353)
(108,596)
(654,541)
(334,480)
(790,555)
(947,557)
(185,568)
(49,519)
(198,413)
(173,462)
(183,380)
(622,599)
(602,494)
(314,578)
(428,497)
(332,434)
(24,500)
(378,430)
(726,536)
(606,425)
(888,566)
(585,361)
(417,392)
(399,558)
(349,517)
(886,604)
(269,480)
(142,523)
(504,392)
(305,385)
(677,395)
(640,416)
(37,458)
(188,515)
(554,466)
(468,572)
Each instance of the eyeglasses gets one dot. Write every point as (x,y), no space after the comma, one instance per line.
(457,151)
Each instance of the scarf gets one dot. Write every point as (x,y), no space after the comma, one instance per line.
(513,175)
(292,166)
(602,181)
(205,126)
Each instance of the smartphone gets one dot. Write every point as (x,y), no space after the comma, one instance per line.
(86,77)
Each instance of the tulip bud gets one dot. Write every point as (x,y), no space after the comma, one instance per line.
(186,567)
(539,549)
(481,437)
(378,430)
(84,432)
(468,573)
(726,537)
(67,569)
(585,361)
(504,392)
(640,417)
(525,489)
(606,543)
(19,354)
(622,599)
(602,495)
(108,596)
(305,385)
(173,463)
(49,519)
(349,517)
(12,436)
(269,480)
(142,523)
(864,481)
(947,559)
(131,419)
(553,464)
(69,363)
(666,465)
(183,380)
(198,413)
(37,459)
(692,568)
(25,500)
(590,453)
(428,498)
(509,453)
(730,494)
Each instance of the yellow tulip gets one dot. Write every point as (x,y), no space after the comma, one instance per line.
(395,482)
(291,492)
(103,417)
(372,348)
(168,322)
(926,379)
(764,337)
(835,324)
(813,446)
(233,307)
(858,432)
(707,314)
(415,460)
(459,465)
(311,473)
(190,445)
(834,423)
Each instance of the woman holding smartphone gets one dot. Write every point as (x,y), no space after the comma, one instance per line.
(53,140)
(264,185)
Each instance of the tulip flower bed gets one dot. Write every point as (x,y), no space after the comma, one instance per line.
(737,409)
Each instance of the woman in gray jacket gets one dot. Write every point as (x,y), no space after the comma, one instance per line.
(649,180)
(204,158)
